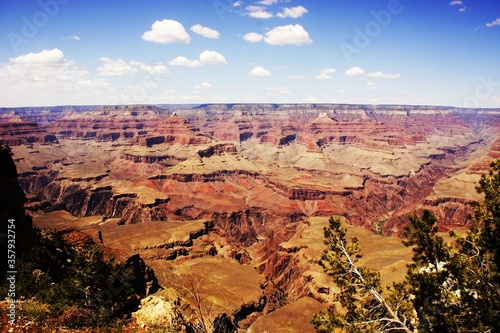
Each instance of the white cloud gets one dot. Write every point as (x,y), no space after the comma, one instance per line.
(493,23)
(156,69)
(54,56)
(203,85)
(260,71)
(71,38)
(205,32)
(206,58)
(253,37)
(288,34)
(293,12)
(370,84)
(135,63)
(115,67)
(380,75)
(237,3)
(268,2)
(326,74)
(258,12)
(185,62)
(495,101)
(276,90)
(47,78)
(354,71)
(310,99)
(167,32)
(463,8)
(296,77)
(213,58)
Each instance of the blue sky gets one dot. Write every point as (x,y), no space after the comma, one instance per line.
(57,52)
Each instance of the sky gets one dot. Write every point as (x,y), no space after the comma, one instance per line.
(86,52)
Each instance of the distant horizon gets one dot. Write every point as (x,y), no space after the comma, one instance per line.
(385,52)
(5,108)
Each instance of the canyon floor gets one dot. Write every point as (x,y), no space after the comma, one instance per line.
(229,202)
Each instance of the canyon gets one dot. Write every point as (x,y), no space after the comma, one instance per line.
(230,200)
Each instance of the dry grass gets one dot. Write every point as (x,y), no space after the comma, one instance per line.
(292,318)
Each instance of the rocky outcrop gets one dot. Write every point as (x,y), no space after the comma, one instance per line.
(108,123)
(205,177)
(145,281)
(218,150)
(167,160)
(15,131)
(175,130)
(81,198)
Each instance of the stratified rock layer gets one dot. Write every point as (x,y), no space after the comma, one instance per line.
(253,182)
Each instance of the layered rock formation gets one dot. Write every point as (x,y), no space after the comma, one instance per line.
(175,130)
(15,131)
(108,123)
(258,176)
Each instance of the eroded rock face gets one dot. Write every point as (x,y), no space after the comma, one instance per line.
(257,174)
(175,130)
(107,123)
(15,131)
(145,282)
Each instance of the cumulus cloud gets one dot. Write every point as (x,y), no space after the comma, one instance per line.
(237,3)
(275,90)
(288,34)
(54,56)
(326,74)
(493,23)
(205,32)
(253,37)
(296,77)
(167,32)
(268,2)
(283,35)
(380,75)
(47,78)
(212,58)
(310,99)
(370,84)
(71,38)
(293,12)
(155,69)
(184,62)
(205,58)
(115,67)
(258,12)
(203,85)
(260,71)
(354,71)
